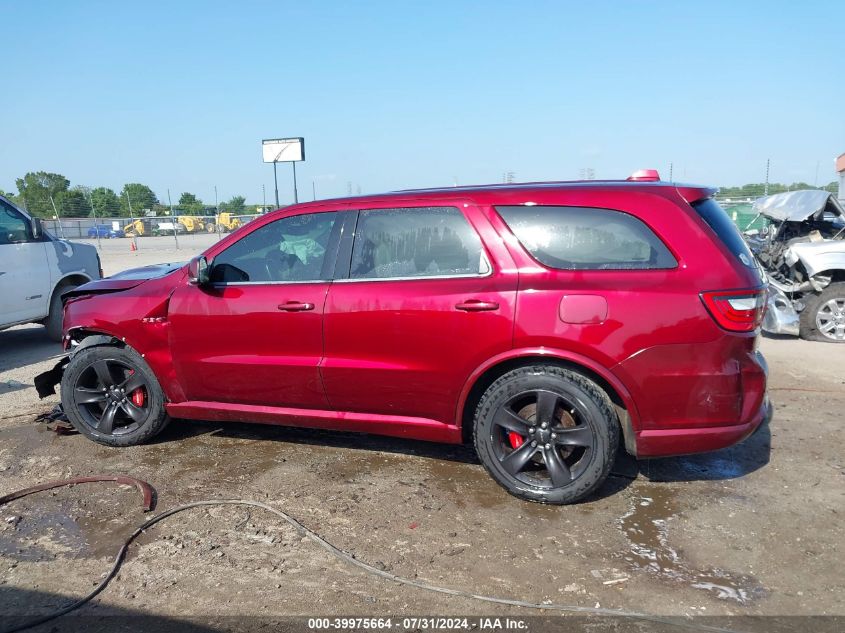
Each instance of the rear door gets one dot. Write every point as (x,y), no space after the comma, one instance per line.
(24,275)
(255,334)
(422,305)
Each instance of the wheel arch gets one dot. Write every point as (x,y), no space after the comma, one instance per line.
(485,375)
(836,274)
(71,279)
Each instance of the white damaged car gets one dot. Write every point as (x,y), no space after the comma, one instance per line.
(802,251)
(36,269)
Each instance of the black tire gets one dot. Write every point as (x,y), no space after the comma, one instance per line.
(819,311)
(86,402)
(53,322)
(582,432)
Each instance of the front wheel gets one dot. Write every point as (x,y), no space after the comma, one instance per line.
(111,396)
(546,434)
(823,318)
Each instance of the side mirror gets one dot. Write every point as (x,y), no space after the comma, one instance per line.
(37,229)
(199,271)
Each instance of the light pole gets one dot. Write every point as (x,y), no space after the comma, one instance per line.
(276,183)
(172,219)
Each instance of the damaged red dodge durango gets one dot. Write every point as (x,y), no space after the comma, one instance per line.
(548,323)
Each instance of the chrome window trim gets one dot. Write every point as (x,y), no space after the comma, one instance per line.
(224,284)
(489,273)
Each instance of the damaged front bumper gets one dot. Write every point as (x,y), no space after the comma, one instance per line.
(781,316)
(45,384)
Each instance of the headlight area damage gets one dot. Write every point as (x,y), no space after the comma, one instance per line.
(802,251)
(95,312)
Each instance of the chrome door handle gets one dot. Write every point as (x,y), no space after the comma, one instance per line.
(295,306)
(476,305)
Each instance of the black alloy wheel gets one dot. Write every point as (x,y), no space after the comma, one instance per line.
(546,434)
(111,396)
(542,438)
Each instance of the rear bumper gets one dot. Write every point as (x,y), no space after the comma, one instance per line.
(670,442)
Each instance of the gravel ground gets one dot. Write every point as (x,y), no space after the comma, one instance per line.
(752,530)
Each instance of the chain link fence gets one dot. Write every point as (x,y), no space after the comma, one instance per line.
(116,227)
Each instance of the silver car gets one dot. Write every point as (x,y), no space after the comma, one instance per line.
(802,252)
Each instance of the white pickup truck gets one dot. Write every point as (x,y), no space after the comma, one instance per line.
(36,269)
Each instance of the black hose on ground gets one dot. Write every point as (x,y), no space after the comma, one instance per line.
(350,559)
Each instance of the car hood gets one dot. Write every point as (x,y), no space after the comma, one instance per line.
(797,206)
(124,280)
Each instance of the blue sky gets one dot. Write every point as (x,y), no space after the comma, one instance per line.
(399,94)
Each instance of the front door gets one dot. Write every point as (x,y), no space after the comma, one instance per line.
(422,307)
(24,275)
(254,334)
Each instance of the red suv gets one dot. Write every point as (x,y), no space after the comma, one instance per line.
(545,322)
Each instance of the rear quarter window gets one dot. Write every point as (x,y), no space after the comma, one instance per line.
(724,228)
(586,238)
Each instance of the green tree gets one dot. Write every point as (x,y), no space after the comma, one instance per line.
(141,197)
(236,205)
(189,204)
(10,196)
(105,201)
(36,188)
(73,203)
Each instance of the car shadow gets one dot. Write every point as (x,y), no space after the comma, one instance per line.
(26,345)
(733,462)
(16,604)
(729,463)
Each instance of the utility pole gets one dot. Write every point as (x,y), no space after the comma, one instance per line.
(671,167)
(132,221)
(58,217)
(263,198)
(172,219)
(314,189)
(766,187)
(87,192)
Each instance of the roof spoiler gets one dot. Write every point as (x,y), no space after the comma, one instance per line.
(696,194)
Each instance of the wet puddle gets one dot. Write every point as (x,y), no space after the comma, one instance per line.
(646,526)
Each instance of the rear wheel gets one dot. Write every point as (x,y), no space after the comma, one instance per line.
(546,434)
(823,318)
(111,396)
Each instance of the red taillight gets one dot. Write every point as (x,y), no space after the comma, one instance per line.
(736,310)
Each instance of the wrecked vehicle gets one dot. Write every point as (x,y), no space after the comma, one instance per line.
(550,324)
(802,251)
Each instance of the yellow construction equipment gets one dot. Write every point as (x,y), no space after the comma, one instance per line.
(223,222)
(191,223)
(137,228)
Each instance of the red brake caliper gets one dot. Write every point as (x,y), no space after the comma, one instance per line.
(515,439)
(138,396)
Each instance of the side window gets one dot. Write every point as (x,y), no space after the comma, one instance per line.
(14,227)
(290,249)
(583,238)
(415,242)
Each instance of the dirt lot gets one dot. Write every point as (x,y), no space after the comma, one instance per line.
(752,530)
